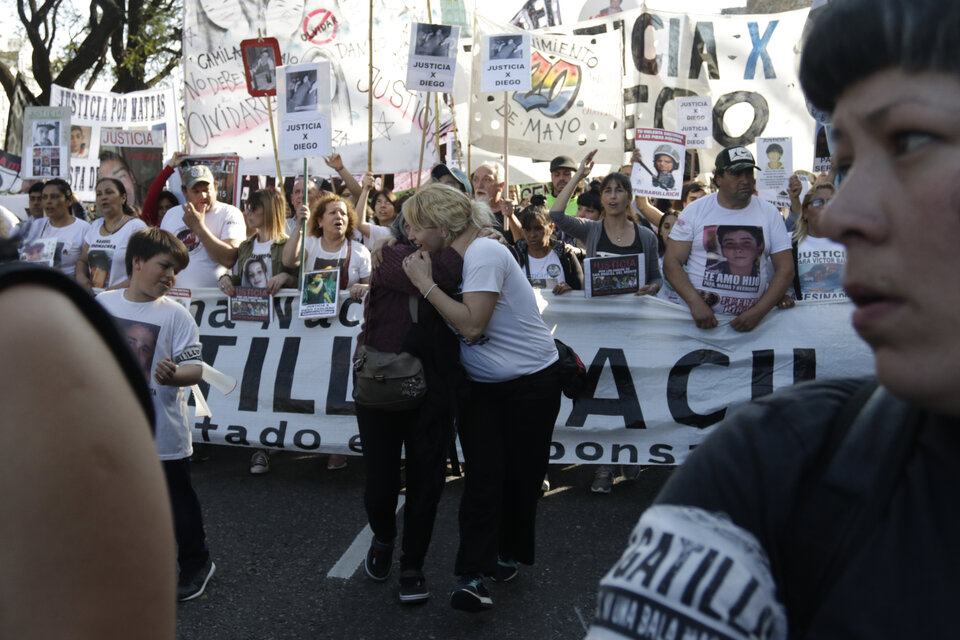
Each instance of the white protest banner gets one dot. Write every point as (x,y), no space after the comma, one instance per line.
(303,94)
(695,121)
(659,173)
(505,62)
(152,110)
(745,64)
(220,116)
(775,158)
(656,383)
(575,98)
(45,135)
(432,63)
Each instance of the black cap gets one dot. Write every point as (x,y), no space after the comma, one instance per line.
(562,162)
(736,159)
(443,170)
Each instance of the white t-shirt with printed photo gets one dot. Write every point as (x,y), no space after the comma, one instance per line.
(545,270)
(318,259)
(156,330)
(253,274)
(729,263)
(69,243)
(225,222)
(516,341)
(106,254)
(820,265)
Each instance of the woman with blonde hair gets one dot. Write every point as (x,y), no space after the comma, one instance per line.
(511,362)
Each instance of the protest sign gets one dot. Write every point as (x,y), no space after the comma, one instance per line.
(133,157)
(45,134)
(821,152)
(9,172)
(659,173)
(226,172)
(656,385)
(613,275)
(432,63)
(505,62)
(575,98)
(695,121)
(304,98)
(775,157)
(220,116)
(250,304)
(319,293)
(91,111)
(261,57)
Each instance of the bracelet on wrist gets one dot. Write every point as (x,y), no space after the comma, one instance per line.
(432,287)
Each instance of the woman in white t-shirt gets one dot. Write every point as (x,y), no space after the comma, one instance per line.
(59,225)
(511,361)
(102,264)
(818,261)
(327,246)
(380,227)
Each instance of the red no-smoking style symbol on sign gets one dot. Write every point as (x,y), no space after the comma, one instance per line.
(320,26)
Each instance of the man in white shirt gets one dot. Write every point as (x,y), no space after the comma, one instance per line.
(704,271)
(211,230)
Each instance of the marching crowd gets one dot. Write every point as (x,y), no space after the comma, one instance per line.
(448,272)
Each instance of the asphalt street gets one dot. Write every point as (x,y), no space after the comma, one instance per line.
(277,538)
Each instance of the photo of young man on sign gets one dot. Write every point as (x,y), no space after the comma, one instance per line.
(261,57)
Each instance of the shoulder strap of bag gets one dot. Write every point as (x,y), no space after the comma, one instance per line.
(345,269)
(414,308)
(844,497)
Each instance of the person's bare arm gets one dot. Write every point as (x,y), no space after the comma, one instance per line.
(650,212)
(82,273)
(781,281)
(290,256)
(336,163)
(95,537)
(673,261)
(223,252)
(362,225)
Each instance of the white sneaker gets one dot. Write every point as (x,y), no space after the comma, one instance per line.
(259,462)
(602,479)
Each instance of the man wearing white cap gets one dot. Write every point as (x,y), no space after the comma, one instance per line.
(729,252)
(211,230)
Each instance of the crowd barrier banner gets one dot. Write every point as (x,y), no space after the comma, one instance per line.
(745,64)
(220,116)
(93,111)
(657,385)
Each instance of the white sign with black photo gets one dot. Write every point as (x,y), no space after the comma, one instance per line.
(505,62)
(433,57)
(45,137)
(775,159)
(303,94)
(659,173)
(695,121)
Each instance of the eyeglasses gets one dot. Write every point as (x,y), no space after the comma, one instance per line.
(818,202)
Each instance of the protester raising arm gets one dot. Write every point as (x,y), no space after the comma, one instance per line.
(336,163)
(149,212)
(576,227)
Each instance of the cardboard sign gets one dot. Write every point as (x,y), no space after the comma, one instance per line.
(505,62)
(432,62)
(695,121)
(659,174)
(775,159)
(613,275)
(46,131)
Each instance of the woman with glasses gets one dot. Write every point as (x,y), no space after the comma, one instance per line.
(818,260)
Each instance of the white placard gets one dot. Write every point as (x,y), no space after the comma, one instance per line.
(695,121)
(303,95)
(659,174)
(432,62)
(46,132)
(505,62)
(775,159)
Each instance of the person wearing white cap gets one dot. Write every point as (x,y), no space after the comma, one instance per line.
(211,230)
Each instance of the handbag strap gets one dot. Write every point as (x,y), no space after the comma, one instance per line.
(414,309)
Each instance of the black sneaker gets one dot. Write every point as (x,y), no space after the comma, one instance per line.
(379,557)
(506,571)
(471,595)
(191,585)
(413,587)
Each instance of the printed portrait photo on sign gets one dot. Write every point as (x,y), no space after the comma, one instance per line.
(506,47)
(301,91)
(142,338)
(255,273)
(433,40)
(46,134)
(261,65)
(79,141)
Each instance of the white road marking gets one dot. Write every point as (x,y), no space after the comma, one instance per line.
(354,556)
(580,616)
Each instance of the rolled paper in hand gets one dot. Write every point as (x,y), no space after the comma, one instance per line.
(223,382)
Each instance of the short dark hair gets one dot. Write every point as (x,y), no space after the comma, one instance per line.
(690,187)
(169,196)
(534,212)
(912,35)
(146,243)
(619,178)
(591,197)
(37,187)
(122,190)
(775,147)
(62,186)
(724,229)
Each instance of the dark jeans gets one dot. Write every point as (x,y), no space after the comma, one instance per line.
(426,434)
(192,552)
(505,430)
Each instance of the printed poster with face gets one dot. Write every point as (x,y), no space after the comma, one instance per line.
(45,137)
(732,278)
(319,293)
(226,172)
(659,173)
(303,96)
(250,304)
(40,251)
(261,57)
(775,159)
(505,62)
(134,158)
(432,62)
(695,121)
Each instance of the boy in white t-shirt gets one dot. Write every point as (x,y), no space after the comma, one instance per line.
(166,342)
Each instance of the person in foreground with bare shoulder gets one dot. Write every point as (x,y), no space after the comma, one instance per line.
(829,510)
(86,541)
